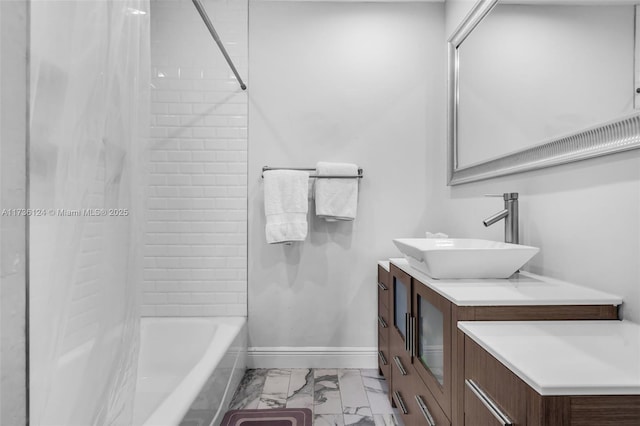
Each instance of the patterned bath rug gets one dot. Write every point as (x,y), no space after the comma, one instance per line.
(269,417)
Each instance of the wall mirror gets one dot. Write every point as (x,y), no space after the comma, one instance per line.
(537,83)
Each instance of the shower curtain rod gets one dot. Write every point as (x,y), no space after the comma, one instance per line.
(215,36)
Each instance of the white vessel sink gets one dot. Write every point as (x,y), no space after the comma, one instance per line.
(464,258)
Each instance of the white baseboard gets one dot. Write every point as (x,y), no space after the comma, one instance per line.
(312,357)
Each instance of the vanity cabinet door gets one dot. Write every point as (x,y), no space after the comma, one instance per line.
(432,346)
(398,326)
(400,299)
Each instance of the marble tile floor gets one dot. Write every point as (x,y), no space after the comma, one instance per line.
(337,397)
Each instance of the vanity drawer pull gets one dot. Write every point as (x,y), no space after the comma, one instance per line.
(400,366)
(488,403)
(382,358)
(382,286)
(400,402)
(382,322)
(425,411)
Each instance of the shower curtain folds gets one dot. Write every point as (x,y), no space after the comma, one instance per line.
(89,103)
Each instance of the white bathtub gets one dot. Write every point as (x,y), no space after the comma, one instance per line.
(188,369)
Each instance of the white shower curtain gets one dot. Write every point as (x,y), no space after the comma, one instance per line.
(89,87)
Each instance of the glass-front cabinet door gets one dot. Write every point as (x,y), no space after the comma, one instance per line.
(431,338)
(432,353)
(401,293)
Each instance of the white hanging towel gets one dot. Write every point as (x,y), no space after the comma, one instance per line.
(286,194)
(336,199)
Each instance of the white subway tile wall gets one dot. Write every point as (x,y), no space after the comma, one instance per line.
(196,235)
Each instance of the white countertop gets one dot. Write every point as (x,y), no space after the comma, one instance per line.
(565,357)
(384,264)
(522,289)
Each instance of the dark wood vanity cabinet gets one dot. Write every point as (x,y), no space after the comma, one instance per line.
(509,313)
(420,332)
(494,395)
(383,323)
(425,352)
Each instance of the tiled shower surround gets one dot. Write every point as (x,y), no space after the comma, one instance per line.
(196,235)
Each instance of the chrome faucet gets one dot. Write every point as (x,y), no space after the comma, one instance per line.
(510,216)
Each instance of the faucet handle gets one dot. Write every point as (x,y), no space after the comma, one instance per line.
(506,196)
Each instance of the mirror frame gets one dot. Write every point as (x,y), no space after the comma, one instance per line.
(622,134)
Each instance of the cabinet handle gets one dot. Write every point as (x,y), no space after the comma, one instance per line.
(400,366)
(400,402)
(382,358)
(413,336)
(382,286)
(425,411)
(488,403)
(382,322)
(407,338)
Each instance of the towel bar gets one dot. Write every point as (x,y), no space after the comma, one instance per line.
(358,176)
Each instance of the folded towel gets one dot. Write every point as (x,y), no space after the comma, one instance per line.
(286,194)
(336,199)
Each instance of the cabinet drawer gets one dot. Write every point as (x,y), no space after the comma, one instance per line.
(384,343)
(383,288)
(383,325)
(480,410)
(493,395)
(425,403)
(383,309)
(400,366)
(400,394)
(416,403)
(384,362)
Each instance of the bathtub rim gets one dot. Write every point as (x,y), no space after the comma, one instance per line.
(176,404)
